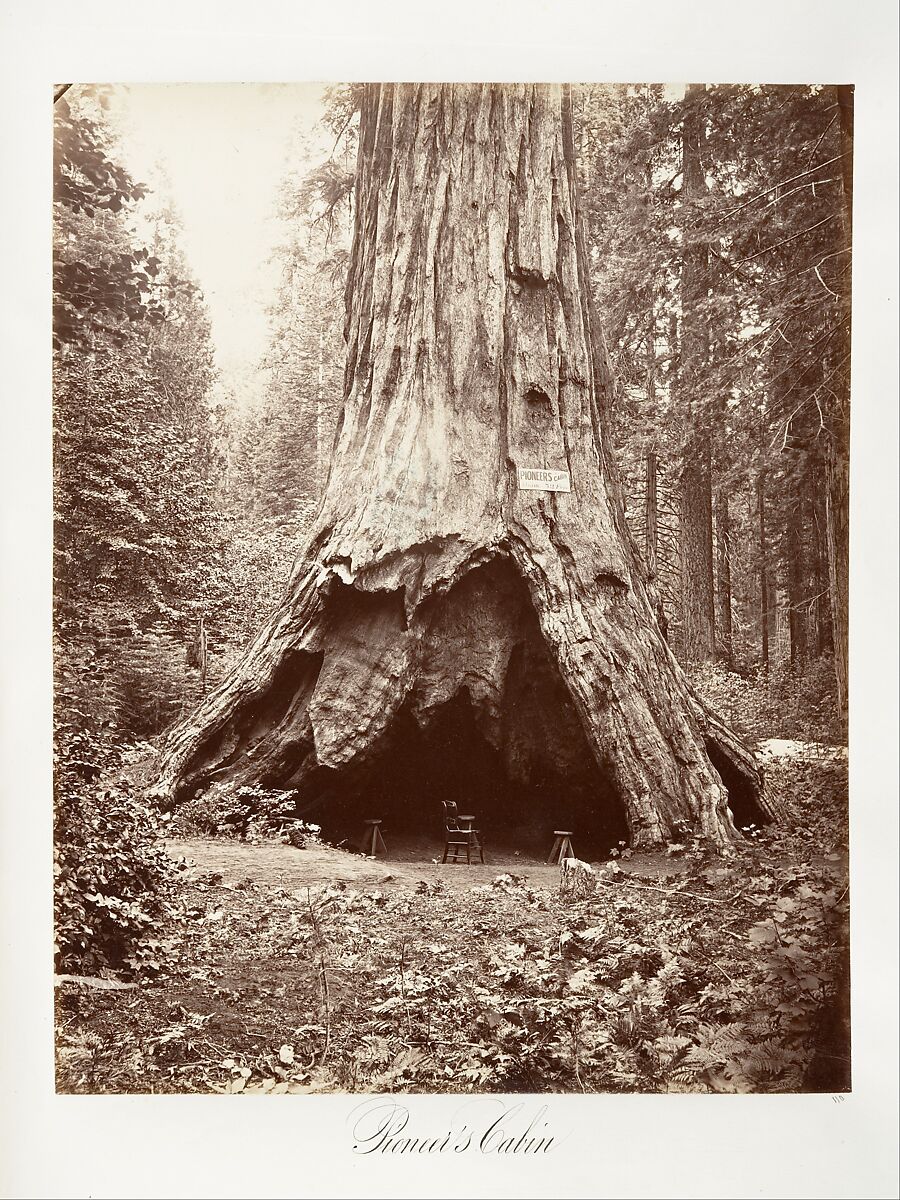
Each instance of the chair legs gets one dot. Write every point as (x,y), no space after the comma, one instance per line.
(455,850)
(464,840)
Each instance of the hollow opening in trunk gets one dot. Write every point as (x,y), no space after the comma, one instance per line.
(490,725)
(451,759)
(742,800)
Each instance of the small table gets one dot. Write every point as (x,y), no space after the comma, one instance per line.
(372,839)
(562,846)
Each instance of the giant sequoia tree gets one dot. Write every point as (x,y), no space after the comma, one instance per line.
(448,631)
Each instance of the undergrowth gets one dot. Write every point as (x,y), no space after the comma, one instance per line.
(113,882)
(249,812)
(715,978)
(780,704)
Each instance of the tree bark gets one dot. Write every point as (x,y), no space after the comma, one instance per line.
(724,633)
(651,532)
(821,609)
(763,571)
(651,541)
(838,536)
(796,585)
(695,500)
(321,458)
(445,628)
(838,445)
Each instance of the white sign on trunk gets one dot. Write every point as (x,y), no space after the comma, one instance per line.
(539,479)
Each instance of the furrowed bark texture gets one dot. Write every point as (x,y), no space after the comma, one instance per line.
(724,638)
(797,584)
(438,609)
(764,606)
(695,521)
(838,451)
(838,531)
(651,535)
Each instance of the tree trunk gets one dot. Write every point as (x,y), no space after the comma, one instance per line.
(449,632)
(724,635)
(821,609)
(796,585)
(695,534)
(651,541)
(838,446)
(838,533)
(321,459)
(651,532)
(763,571)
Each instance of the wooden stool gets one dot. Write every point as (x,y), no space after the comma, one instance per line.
(562,846)
(372,840)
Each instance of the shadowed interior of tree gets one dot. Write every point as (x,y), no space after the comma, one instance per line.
(451,759)
(506,745)
(742,799)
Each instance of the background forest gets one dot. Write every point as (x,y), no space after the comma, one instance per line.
(718,233)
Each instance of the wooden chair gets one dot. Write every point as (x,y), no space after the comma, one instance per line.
(460,835)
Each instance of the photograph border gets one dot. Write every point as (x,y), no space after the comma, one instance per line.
(815,1145)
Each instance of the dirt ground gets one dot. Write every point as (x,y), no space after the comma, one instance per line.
(406,863)
(410,859)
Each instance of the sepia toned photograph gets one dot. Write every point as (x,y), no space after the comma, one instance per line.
(451,506)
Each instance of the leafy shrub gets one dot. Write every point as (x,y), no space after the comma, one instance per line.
(805,705)
(247,812)
(110,870)
(780,704)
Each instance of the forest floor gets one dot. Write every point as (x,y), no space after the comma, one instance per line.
(408,862)
(317,970)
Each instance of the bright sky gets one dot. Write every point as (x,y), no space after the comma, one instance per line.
(219,152)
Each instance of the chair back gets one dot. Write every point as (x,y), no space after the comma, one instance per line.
(451,816)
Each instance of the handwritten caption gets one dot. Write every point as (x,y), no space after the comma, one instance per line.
(383,1127)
